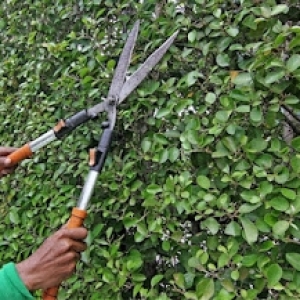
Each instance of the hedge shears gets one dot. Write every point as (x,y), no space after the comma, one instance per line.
(120,88)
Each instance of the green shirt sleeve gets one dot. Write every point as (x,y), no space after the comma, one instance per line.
(11,285)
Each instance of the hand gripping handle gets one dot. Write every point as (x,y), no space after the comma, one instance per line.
(20,154)
(76,220)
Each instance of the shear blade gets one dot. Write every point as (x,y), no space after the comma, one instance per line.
(123,64)
(119,90)
(139,75)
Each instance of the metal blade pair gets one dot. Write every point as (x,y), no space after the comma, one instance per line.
(120,89)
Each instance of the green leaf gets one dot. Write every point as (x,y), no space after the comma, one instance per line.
(190,296)
(296,143)
(230,144)
(235,274)
(194,262)
(146,145)
(179,280)
(156,279)
(166,245)
(153,189)
(294,260)
(265,11)
(203,181)
(210,98)
(249,22)
(2,24)
(243,108)
(217,12)
(280,227)
(250,230)
(205,289)
(192,36)
(256,145)
(212,225)
(282,176)
(173,154)
(288,193)
(279,9)
(138,237)
(162,113)
(256,114)
(164,155)
(13,216)
(142,229)
(243,79)
(223,60)
(273,274)
(249,260)
(274,76)
(192,77)
(279,203)
(129,222)
(134,260)
(295,163)
(223,260)
(293,63)
(247,208)
(233,228)
(232,31)
(223,115)
(138,277)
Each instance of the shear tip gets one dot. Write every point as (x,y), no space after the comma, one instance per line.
(174,35)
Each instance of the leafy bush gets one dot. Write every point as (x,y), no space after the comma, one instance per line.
(199,196)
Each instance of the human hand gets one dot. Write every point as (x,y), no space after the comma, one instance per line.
(54,261)
(6,166)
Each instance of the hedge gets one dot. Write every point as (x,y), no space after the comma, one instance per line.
(200,194)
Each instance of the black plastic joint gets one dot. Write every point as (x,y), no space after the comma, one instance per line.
(102,149)
(72,122)
(105,140)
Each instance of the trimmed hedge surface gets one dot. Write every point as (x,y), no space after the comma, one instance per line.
(200,194)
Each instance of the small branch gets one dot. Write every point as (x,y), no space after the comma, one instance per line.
(291,112)
(289,121)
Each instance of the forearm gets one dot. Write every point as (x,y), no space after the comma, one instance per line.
(11,285)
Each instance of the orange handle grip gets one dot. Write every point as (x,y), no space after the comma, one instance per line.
(76,220)
(20,154)
(51,293)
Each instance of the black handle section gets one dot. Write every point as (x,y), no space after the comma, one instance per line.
(102,149)
(72,122)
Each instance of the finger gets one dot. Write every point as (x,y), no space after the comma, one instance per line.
(77,256)
(4,162)
(2,174)
(74,233)
(70,247)
(7,150)
(78,246)
(73,245)
(68,257)
(7,171)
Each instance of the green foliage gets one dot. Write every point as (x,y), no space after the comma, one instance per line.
(199,195)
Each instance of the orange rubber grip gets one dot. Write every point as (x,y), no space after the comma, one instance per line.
(51,293)
(20,154)
(76,220)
